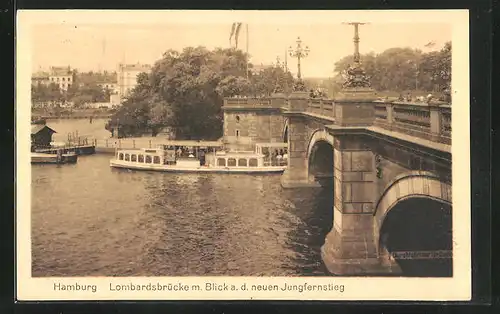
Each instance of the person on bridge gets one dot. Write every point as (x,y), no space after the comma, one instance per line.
(429,98)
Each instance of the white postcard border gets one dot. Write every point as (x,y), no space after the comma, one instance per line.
(354,288)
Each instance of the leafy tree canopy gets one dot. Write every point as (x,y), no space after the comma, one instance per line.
(185,91)
(400,69)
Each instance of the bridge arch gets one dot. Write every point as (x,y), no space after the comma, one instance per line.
(319,158)
(411,184)
(413,216)
(285,131)
(316,136)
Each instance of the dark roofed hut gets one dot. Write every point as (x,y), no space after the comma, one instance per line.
(41,136)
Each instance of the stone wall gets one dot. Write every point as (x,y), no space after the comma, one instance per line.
(249,127)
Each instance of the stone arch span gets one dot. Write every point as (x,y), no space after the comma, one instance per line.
(319,158)
(316,136)
(414,216)
(411,184)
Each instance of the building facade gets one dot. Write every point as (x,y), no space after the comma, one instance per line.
(62,76)
(111,86)
(248,121)
(40,78)
(127,77)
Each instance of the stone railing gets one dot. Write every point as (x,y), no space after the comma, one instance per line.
(431,122)
(250,102)
(323,107)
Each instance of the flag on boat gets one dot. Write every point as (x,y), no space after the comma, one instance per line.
(235,31)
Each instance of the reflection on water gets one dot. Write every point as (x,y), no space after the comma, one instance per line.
(91,220)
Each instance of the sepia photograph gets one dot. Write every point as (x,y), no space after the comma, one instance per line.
(298,154)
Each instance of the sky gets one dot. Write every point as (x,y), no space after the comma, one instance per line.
(102,46)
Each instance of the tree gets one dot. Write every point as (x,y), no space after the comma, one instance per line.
(271,80)
(437,65)
(133,117)
(86,93)
(185,91)
(402,69)
(233,86)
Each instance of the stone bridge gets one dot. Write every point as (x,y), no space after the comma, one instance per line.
(390,163)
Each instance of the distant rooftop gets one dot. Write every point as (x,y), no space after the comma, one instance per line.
(40,75)
(61,71)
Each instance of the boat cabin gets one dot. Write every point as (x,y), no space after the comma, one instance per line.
(236,159)
(275,154)
(190,154)
(180,153)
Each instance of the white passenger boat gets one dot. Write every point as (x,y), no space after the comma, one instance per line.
(199,157)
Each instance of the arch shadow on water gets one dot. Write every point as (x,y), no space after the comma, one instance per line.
(315,211)
(419,224)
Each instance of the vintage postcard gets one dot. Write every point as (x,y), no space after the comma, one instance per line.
(237,155)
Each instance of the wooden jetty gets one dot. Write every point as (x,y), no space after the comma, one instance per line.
(76,149)
(58,158)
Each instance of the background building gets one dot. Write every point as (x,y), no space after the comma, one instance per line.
(62,76)
(127,77)
(111,86)
(40,78)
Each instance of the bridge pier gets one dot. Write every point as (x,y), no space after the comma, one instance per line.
(355,128)
(350,248)
(297,172)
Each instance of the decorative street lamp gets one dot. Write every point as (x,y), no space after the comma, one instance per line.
(299,53)
(356,76)
(357,57)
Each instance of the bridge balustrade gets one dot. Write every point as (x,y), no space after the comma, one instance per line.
(324,107)
(432,122)
(249,102)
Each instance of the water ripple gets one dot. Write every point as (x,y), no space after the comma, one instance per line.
(90,220)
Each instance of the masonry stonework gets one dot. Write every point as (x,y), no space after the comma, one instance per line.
(365,164)
(244,128)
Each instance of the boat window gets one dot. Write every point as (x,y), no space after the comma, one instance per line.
(120,156)
(231,162)
(156,159)
(133,158)
(221,162)
(253,162)
(242,162)
(148,159)
(141,158)
(127,157)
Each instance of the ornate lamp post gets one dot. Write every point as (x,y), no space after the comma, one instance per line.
(356,76)
(299,53)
